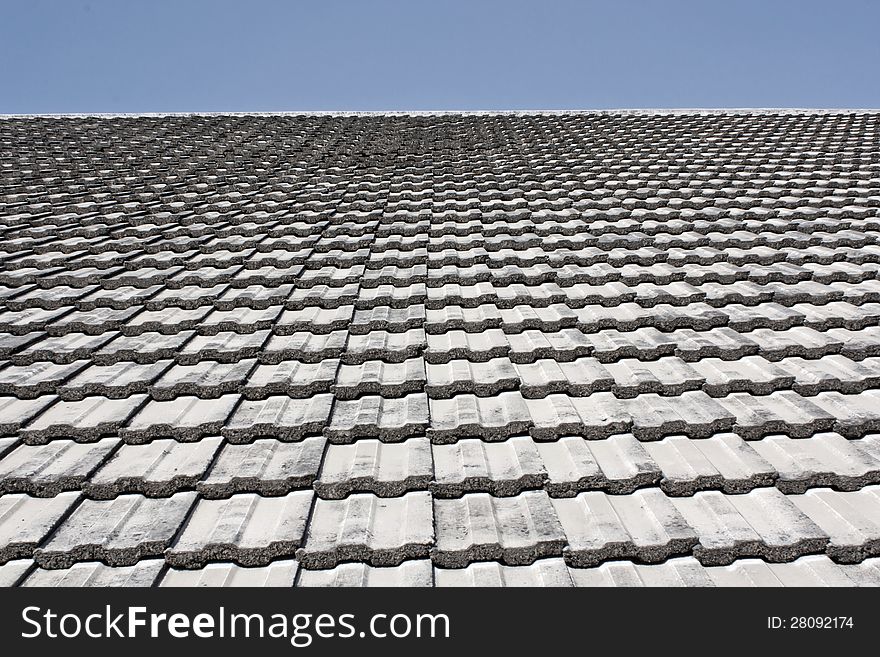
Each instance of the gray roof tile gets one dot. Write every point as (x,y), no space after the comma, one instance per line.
(207,379)
(722,461)
(666,376)
(291,378)
(185,418)
(14,413)
(63,349)
(31,381)
(780,412)
(681,571)
(12,572)
(483,379)
(487,418)
(478,527)
(119,532)
(751,374)
(116,381)
(806,571)
(825,459)
(390,420)
(851,519)
(368,465)
(279,417)
(412,573)
(280,574)
(502,469)
(762,523)
(267,467)
(384,346)
(385,318)
(315,319)
(146,347)
(597,416)
(580,377)
(476,347)
(224,347)
(96,574)
(304,346)
(644,526)
(246,529)
(157,469)
(829,373)
(550,572)
(377,377)
(86,420)
(46,470)
(26,521)
(618,464)
(370,529)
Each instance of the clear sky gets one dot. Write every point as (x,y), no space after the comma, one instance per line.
(272,55)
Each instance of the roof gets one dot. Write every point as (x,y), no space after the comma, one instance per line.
(571,348)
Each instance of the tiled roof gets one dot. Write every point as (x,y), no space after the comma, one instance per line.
(552,349)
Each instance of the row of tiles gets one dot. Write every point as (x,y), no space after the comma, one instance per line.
(640,191)
(55,304)
(605,345)
(130,235)
(441,238)
(852,281)
(620,464)
(643,190)
(810,571)
(586,530)
(368,252)
(747,307)
(626,378)
(138,419)
(564,275)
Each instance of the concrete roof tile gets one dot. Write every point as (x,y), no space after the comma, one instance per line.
(46,470)
(483,379)
(550,572)
(487,418)
(370,529)
(279,417)
(368,465)
(478,527)
(118,532)
(15,412)
(117,381)
(501,469)
(86,420)
(247,529)
(96,574)
(411,573)
(851,519)
(643,525)
(157,469)
(207,380)
(371,416)
(26,521)
(267,467)
(279,574)
(185,418)
(292,378)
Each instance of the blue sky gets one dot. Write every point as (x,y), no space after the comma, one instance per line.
(264,55)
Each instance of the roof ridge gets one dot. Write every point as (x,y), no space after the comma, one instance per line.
(530,112)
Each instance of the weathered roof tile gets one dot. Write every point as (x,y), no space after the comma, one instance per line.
(119,532)
(363,527)
(247,529)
